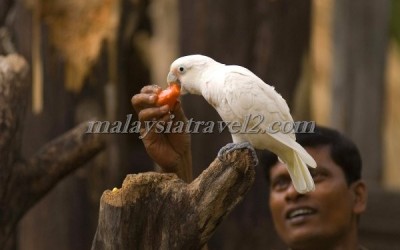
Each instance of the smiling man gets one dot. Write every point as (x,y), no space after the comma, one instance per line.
(326,218)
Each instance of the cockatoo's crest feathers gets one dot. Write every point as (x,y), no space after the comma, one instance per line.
(188,62)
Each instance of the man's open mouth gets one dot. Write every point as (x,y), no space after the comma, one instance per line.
(304,211)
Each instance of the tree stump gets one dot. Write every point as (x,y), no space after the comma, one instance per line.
(161,211)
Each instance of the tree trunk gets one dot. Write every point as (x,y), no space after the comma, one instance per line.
(24,182)
(360,46)
(160,211)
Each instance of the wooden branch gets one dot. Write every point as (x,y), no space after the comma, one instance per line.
(59,158)
(23,183)
(6,45)
(5,6)
(160,211)
(13,69)
(30,181)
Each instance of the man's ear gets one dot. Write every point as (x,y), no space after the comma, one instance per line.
(359,190)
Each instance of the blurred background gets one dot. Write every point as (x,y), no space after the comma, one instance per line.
(335,62)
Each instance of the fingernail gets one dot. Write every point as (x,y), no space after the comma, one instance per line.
(152,98)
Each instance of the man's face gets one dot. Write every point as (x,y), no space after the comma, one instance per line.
(322,215)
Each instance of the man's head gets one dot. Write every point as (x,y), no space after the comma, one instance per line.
(328,215)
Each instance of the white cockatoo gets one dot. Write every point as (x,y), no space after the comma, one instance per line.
(235,92)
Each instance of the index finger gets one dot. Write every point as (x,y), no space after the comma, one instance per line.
(142,101)
(151,89)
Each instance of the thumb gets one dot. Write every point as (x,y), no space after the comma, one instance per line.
(178,112)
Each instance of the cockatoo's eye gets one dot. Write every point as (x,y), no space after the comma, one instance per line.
(181,69)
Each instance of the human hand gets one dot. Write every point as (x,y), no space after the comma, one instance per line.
(171,151)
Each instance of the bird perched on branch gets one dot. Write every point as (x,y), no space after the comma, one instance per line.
(237,94)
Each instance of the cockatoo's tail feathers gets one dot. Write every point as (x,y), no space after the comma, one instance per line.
(306,157)
(289,142)
(300,175)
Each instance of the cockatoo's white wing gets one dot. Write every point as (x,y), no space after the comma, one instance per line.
(246,93)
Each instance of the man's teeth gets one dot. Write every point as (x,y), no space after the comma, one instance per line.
(298,212)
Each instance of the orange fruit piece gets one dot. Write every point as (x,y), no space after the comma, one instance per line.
(169,96)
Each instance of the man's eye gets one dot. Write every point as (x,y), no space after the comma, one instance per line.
(317,175)
(281,184)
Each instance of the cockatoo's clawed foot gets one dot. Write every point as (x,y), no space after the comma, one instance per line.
(224,151)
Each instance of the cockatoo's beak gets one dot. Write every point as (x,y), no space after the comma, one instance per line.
(172,78)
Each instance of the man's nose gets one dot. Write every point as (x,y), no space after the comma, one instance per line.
(291,194)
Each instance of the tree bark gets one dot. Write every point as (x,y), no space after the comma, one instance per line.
(160,211)
(360,46)
(24,182)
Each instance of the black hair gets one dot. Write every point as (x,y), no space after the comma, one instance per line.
(342,150)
